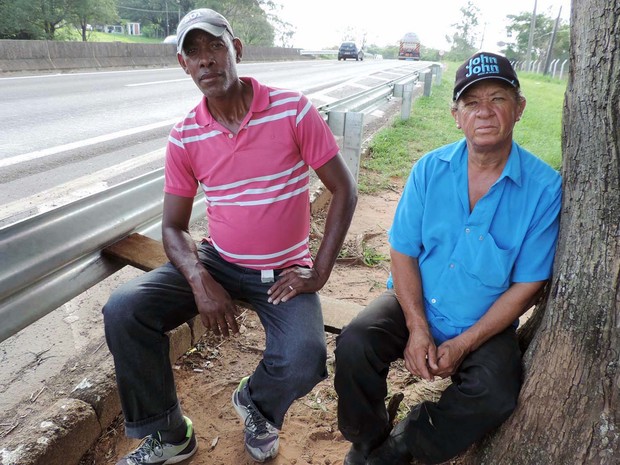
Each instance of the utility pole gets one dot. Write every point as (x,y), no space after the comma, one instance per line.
(484,30)
(549,50)
(530,41)
(167,20)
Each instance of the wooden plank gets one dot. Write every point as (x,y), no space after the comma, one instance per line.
(337,313)
(146,254)
(139,251)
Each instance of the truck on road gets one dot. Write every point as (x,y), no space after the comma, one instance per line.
(409,48)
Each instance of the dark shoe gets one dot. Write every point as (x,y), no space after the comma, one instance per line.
(359,451)
(393,451)
(357,455)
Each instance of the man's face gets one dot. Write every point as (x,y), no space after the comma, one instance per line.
(487,113)
(211,61)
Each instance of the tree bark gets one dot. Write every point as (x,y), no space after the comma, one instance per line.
(569,407)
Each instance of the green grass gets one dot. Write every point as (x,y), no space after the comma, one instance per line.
(540,129)
(104,37)
(72,34)
(393,150)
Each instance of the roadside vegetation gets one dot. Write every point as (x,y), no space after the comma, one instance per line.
(72,34)
(393,150)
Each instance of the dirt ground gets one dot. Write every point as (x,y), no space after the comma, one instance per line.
(207,374)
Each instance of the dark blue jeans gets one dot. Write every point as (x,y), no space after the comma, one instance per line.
(140,312)
(482,395)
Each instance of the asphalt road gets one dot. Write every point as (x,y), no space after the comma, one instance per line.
(66,136)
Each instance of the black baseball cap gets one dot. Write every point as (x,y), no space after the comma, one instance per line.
(205,19)
(483,65)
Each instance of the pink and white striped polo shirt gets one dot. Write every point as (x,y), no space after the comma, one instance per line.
(256,183)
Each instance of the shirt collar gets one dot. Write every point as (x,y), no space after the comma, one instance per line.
(457,156)
(260,102)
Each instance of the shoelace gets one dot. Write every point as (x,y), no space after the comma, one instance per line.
(149,445)
(255,422)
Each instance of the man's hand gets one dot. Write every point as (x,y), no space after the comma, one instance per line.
(450,355)
(293,281)
(421,354)
(216,308)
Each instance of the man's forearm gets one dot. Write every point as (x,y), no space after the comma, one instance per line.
(511,305)
(339,216)
(180,249)
(338,179)
(408,287)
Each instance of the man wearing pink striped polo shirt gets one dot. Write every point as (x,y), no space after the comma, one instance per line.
(249,148)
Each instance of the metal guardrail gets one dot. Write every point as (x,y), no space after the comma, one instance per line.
(50,258)
(367,100)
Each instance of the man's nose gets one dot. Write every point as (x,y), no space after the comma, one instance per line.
(206,58)
(485,107)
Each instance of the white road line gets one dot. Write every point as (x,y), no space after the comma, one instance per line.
(155,82)
(77,188)
(86,73)
(83,143)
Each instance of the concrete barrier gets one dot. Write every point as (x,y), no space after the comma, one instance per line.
(72,55)
(23,55)
(43,55)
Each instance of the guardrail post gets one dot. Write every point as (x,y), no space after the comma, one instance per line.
(350,126)
(405,91)
(427,78)
(437,71)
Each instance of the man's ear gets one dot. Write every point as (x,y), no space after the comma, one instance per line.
(521,108)
(181,61)
(238,49)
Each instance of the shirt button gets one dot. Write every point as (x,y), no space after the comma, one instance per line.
(230,136)
(433,301)
(451,265)
(481,238)
(467,231)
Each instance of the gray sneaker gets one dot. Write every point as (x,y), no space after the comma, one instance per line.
(153,451)
(261,438)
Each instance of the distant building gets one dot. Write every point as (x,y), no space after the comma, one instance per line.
(132,29)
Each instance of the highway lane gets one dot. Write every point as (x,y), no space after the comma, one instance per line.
(65,136)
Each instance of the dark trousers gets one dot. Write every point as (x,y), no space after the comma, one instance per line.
(482,395)
(139,313)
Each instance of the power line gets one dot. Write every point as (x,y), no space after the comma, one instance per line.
(140,9)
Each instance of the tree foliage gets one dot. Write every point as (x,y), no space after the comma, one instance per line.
(256,22)
(15,20)
(463,42)
(88,12)
(247,18)
(161,17)
(519,30)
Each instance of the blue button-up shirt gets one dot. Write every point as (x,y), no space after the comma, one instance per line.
(469,258)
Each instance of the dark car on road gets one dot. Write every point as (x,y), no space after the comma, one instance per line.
(350,50)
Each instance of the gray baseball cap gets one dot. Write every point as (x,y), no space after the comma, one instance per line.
(205,19)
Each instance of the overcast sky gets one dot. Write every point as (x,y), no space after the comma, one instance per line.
(324,23)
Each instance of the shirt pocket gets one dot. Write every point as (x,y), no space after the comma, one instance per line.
(492,265)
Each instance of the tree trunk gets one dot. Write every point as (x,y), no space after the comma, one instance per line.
(569,408)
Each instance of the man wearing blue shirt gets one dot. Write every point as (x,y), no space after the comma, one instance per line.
(472,245)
